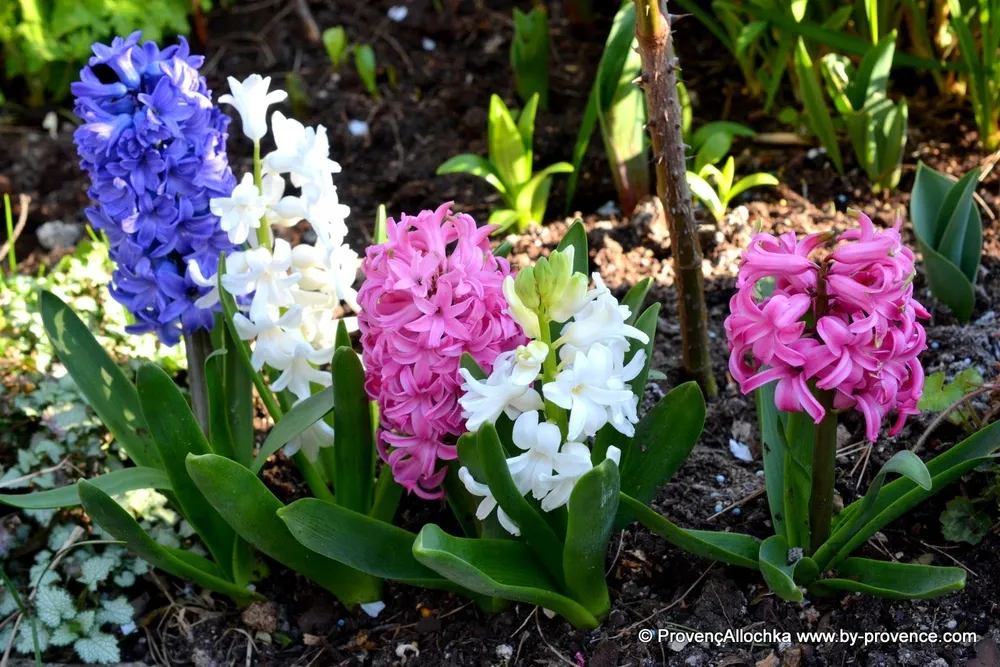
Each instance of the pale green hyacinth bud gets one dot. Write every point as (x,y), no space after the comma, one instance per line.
(522,314)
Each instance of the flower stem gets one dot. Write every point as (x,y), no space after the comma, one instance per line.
(824,474)
(197,347)
(659,82)
(550,368)
(264,231)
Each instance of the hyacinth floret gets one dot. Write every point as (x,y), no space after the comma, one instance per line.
(847,324)
(432,291)
(154,145)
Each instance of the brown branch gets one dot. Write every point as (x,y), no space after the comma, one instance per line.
(659,81)
(22,219)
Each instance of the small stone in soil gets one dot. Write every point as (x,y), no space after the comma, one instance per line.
(718,508)
(721,479)
(58,234)
(740,451)
(428,44)
(397,13)
(357,128)
(737,511)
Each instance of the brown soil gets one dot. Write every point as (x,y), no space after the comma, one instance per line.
(437,110)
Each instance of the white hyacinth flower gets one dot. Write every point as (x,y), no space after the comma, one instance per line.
(251,99)
(528,360)
(241,211)
(328,271)
(271,336)
(311,440)
(540,443)
(265,273)
(593,388)
(488,504)
(483,401)
(302,152)
(210,298)
(298,369)
(602,321)
(570,464)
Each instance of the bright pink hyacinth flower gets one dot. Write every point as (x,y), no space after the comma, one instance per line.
(432,291)
(865,339)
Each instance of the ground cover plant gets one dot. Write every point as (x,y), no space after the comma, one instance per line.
(280,409)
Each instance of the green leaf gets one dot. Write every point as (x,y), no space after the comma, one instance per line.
(901,495)
(947,282)
(114,519)
(342,337)
(251,509)
(962,522)
(799,434)
(664,438)
(475,165)
(897,581)
(622,119)
(529,197)
(220,434)
(732,548)
(381,216)
(635,297)
(747,182)
(507,153)
(526,124)
(592,509)
(872,77)
(364,62)
(469,363)
(904,463)
(777,572)
(706,195)
(534,528)
(503,218)
(529,54)
(358,541)
(773,450)
(176,434)
(112,483)
(102,383)
(354,450)
(496,568)
(938,397)
(293,424)
(955,218)
(335,42)
(576,236)
(812,98)
(239,395)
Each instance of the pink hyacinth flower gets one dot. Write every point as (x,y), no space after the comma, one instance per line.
(432,292)
(848,325)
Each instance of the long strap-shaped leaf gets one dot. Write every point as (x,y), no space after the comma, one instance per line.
(366,544)
(176,434)
(897,581)
(663,439)
(778,573)
(592,509)
(534,528)
(496,568)
(243,500)
(901,495)
(904,463)
(113,483)
(102,383)
(293,423)
(113,518)
(732,548)
(354,452)
(773,452)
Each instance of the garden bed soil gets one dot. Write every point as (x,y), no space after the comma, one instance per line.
(438,110)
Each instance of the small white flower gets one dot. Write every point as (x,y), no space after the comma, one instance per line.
(251,99)
(241,211)
(570,464)
(593,388)
(302,152)
(271,335)
(325,212)
(602,321)
(266,275)
(488,504)
(310,441)
(210,298)
(540,443)
(328,272)
(483,401)
(528,360)
(298,370)
(527,318)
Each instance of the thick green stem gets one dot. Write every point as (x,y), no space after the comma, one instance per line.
(824,474)
(659,77)
(264,231)
(197,347)
(550,368)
